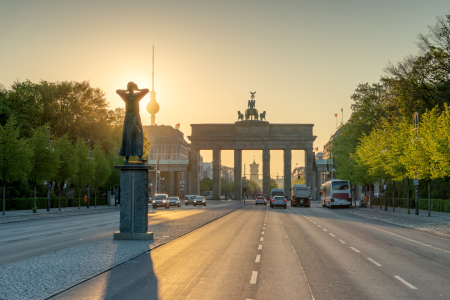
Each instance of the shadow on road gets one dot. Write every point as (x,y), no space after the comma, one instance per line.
(134,279)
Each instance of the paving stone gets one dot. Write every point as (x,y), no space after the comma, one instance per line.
(46,275)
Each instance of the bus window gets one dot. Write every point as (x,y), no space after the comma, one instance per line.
(340,185)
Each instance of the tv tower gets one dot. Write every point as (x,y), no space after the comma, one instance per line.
(152,106)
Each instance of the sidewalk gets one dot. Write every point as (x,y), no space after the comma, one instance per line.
(24,215)
(438,222)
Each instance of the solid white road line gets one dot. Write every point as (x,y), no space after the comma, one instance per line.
(260,247)
(262,239)
(377,264)
(405,282)
(332,235)
(36,237)
(254,276)
(355,249)
(258,258)
(342,241)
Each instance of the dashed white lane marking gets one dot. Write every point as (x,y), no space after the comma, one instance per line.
(70,231)
(262,232)
(377,264)
(258,258)
(354,249)
(405,282)
(314,222)
(342,241)
(264,228)
(332,235)
(36,237)
(254,276)
(260,247)
(262,239)
(325,229)
(3,243)
(319,225)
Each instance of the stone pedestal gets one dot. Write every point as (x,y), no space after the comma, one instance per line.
(133,202)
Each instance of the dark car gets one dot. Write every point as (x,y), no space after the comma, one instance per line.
(174,201)
(161,200)
(199,200)
(260,200)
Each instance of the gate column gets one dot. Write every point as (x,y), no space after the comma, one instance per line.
(195,169)
(309,169)
(237,174)
(216,174)
(266,171)
(287,171)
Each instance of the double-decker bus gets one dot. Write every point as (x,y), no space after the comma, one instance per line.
(336,192)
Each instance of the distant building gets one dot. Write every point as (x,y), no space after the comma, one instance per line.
(169,154)
(254,171)
(207,170)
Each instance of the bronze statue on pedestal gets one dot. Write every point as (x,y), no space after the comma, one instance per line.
(133,136)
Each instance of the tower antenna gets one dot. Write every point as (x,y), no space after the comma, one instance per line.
(153,106)
(153,69)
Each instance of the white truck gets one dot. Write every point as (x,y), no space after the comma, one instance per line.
(301,195)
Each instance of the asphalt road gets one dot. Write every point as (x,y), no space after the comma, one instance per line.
(295,253)
(26,239)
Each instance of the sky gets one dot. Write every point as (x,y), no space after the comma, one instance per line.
(303,58)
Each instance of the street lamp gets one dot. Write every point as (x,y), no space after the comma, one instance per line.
(157,182)
(89,157)
(49,185)
(416,180)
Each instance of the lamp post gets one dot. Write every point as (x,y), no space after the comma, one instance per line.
(157,182)
(416,179)
(89,157)
(49,185)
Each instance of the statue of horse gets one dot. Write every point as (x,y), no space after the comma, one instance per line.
(262,116)
(240,116)
(251,112)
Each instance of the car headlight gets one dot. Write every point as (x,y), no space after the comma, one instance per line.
(153,201)
(164,201)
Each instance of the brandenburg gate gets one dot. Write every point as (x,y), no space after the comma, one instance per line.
(251,134)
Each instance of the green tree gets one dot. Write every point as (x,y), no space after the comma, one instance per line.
(273,185)
(205,185)
(44,159)
(14,155)
(68,163)
(102,169)
(226,187)
(252,187)
(86,167)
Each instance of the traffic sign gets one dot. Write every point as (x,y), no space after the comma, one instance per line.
(245,183)
(416,181)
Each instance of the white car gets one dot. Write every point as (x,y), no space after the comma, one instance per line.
(189,199)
